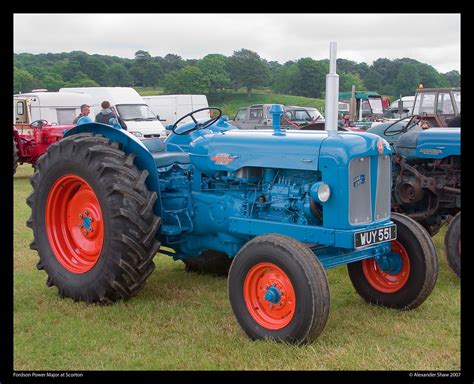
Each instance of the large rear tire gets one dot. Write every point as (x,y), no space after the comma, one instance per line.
(407,276)
(452,244)
(15,156)
(92,220)
(278,289)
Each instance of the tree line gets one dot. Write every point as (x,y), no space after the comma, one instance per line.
(216,73)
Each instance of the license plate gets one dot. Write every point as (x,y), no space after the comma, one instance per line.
(374,236)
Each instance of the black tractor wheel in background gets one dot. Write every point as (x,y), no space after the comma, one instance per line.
(15,156)
(209,262)
(92,220)
(452,244)
(278,289)
(406,277)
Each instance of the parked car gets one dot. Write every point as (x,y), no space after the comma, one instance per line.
(259,117)
(254,117)
(299,117)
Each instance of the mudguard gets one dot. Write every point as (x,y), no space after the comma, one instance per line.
(129,144)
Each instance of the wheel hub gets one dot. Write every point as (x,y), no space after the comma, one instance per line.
(74,223)
(273,295)
(269,296)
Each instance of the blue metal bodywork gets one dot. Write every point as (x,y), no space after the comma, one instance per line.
(433,143)
(221,186)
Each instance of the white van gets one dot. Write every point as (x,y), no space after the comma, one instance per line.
(54,107)
(170,108)
(128,104)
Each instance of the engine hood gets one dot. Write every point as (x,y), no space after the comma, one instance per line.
(294,149)
(435,143)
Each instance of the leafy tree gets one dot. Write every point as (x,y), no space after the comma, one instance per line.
(311,77)
(118,75)
(285,78)
(81,80)
(52,81)
(96,69)
(348,79)
(67,69)
(213,66)
(142,55)
(171,62)
(23,81)
(373,81)
(453,78)
(407,80)
(186,80)
(248,70)
(146,73)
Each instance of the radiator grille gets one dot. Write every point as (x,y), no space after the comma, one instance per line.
(360,204)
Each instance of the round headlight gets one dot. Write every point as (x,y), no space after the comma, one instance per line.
(320,192)
(324,192)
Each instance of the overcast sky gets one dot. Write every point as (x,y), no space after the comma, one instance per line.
(434,39)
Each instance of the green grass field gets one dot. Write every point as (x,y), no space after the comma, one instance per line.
(183,321)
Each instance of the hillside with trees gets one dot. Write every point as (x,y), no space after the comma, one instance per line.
(216,74)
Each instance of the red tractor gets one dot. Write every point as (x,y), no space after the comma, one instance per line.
(30,141)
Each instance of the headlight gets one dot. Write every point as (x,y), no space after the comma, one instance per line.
(320,192)
(137,134)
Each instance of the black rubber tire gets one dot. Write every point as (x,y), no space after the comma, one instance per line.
(15,156)
(452,244)
(423,269)
(306,275)
(209,262)
(129,244)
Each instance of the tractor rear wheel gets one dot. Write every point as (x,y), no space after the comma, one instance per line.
(92,220)
(408,275)
(15,156)
(452,244)
(279,290)
(209,262)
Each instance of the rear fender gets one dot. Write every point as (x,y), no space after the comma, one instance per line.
(129,144)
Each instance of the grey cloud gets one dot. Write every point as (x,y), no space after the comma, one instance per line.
(430,38)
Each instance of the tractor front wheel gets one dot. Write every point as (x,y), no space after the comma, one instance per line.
(452,244)
(404,278)
(279,290)
(92,220)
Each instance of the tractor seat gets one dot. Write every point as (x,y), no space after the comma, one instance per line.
(163,158)
(153,144)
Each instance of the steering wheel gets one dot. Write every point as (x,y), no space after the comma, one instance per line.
(414,120)
(197,125)
(39,123)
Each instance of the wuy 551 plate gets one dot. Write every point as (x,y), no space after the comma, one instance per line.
(374,236)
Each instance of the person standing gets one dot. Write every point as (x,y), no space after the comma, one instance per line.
(107,113)
(85,110)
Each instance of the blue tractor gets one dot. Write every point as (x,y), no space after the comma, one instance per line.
(283,206)
(426,182)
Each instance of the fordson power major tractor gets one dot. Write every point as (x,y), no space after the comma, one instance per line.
(427,178)
(283,206)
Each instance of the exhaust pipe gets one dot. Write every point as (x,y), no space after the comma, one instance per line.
(332,91)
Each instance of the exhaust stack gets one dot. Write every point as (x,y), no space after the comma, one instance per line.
(332,91)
